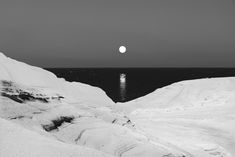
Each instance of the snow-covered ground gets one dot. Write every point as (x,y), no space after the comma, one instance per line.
(196,116)
(42,115)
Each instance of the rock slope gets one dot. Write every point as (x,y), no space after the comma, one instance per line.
(42,115)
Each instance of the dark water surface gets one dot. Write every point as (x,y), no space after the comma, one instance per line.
(129,83)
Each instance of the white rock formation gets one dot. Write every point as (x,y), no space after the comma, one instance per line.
(197,116)
(42,115)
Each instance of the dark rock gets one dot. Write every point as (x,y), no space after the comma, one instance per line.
(57,123)
(13,97)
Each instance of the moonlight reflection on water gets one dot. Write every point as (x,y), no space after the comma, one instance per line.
(123,86)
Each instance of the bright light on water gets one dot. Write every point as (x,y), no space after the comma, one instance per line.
(122,78)
(123,86)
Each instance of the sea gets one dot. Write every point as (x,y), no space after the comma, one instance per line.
(125,84)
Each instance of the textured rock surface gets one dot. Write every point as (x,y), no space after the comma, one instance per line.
(42,115)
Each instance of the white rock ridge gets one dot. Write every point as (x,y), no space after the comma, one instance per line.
(197,116)
(42,115)
(36,103)
(31,76)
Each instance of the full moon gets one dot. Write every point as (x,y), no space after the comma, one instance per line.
(122,49)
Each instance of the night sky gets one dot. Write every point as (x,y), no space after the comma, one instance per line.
(157,33)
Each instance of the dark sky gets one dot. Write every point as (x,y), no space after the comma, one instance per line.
(157,33)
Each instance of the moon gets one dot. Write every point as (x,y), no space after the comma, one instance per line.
(122,49)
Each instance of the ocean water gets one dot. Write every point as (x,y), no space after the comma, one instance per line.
(125,84)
